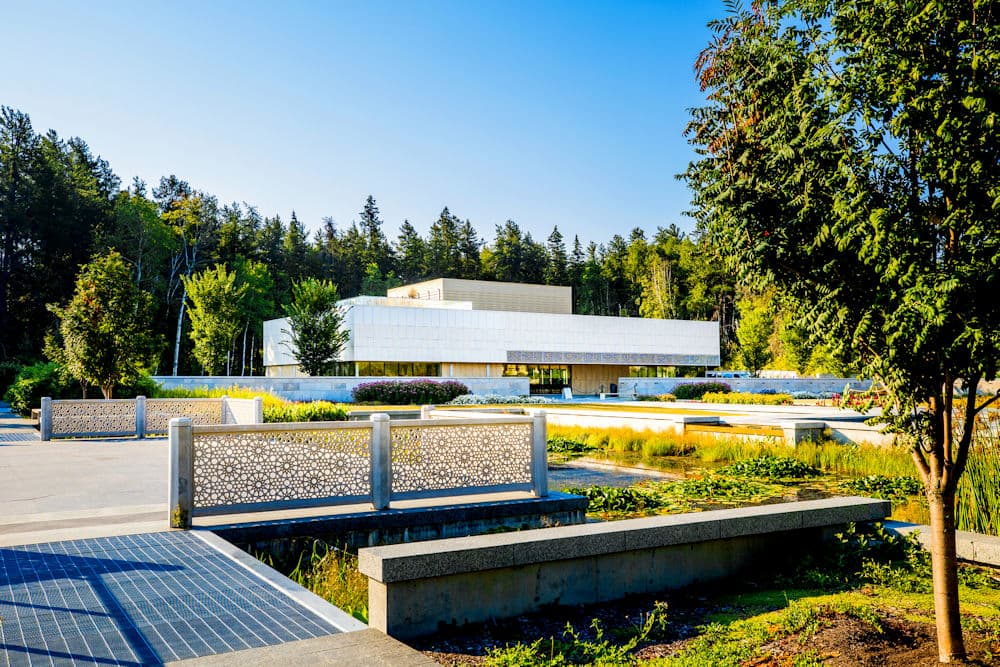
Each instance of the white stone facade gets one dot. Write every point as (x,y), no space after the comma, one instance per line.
(393,330)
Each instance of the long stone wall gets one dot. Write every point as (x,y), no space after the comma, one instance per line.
(336,389)
(417,588)
(628,386)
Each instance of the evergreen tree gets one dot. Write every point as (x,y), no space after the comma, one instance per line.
(411,250)
(470,248)
(556,268)
(444,256)
(315,328)
(376,247)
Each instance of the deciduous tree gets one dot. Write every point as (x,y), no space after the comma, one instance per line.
(849,157)
(104,329)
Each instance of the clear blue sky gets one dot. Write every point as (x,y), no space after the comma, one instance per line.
(567,113)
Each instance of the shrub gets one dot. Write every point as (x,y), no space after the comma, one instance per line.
(696,390)
(662,398)
(316,411)
(745,398)
(35,381)
(475,399)
(412,392)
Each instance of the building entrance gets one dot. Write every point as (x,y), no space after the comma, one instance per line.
(542,378)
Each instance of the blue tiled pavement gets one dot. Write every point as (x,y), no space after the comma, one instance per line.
(137,600)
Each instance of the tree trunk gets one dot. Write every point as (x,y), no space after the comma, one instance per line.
(944,564)
(243,354)
(180,325)
(107,390)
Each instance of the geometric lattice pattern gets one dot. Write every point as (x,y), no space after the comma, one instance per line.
(93,416)
(138,600)
(202,411)
(431,458)
(281,465)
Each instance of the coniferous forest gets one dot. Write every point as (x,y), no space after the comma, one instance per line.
(62,205)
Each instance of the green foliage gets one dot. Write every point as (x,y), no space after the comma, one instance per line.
(215,300)
(331,573)
(562,445)
(315,324)
(617,499)
(32,383)
(276,409)
(104,329)
(770,467)
(883,486)
(854,176)
(753,334)
(408,392)
(695,390)
(662,398)
(575,649)
(315,411)
(747,398)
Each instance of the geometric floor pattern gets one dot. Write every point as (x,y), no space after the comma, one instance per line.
(138,600)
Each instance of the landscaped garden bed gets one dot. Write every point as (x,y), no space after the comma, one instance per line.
(867,601)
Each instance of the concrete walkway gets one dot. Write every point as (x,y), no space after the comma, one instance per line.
(70,489)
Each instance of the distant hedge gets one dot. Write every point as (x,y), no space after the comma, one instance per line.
(746,398)
(315,411)
(696,390)
(408,392)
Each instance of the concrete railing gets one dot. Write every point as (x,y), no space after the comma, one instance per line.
(140,416)
(416,588)
(233,469)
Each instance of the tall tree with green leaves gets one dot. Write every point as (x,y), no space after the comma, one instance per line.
(215,298)
(104,329)
(193,219)
(848,156)
(316,333)
(18,153)
(256,306)
(753,333)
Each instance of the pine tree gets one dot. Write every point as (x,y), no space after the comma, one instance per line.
(556,266)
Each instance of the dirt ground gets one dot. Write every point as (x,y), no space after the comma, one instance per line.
(842,641)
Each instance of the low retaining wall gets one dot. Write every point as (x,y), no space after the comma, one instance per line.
(972,547)
(435,522)
(336,389)
(416,589)
(140,416)
(653,386)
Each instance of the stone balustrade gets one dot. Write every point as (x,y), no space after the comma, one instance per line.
(225,469)
(140,416)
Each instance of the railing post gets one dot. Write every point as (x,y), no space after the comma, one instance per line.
(381,446)
(180,491)
(258,410)
(140,417)
(45,419)
(539,455)
(425,411)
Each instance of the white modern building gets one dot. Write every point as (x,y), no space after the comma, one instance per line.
(476,329)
